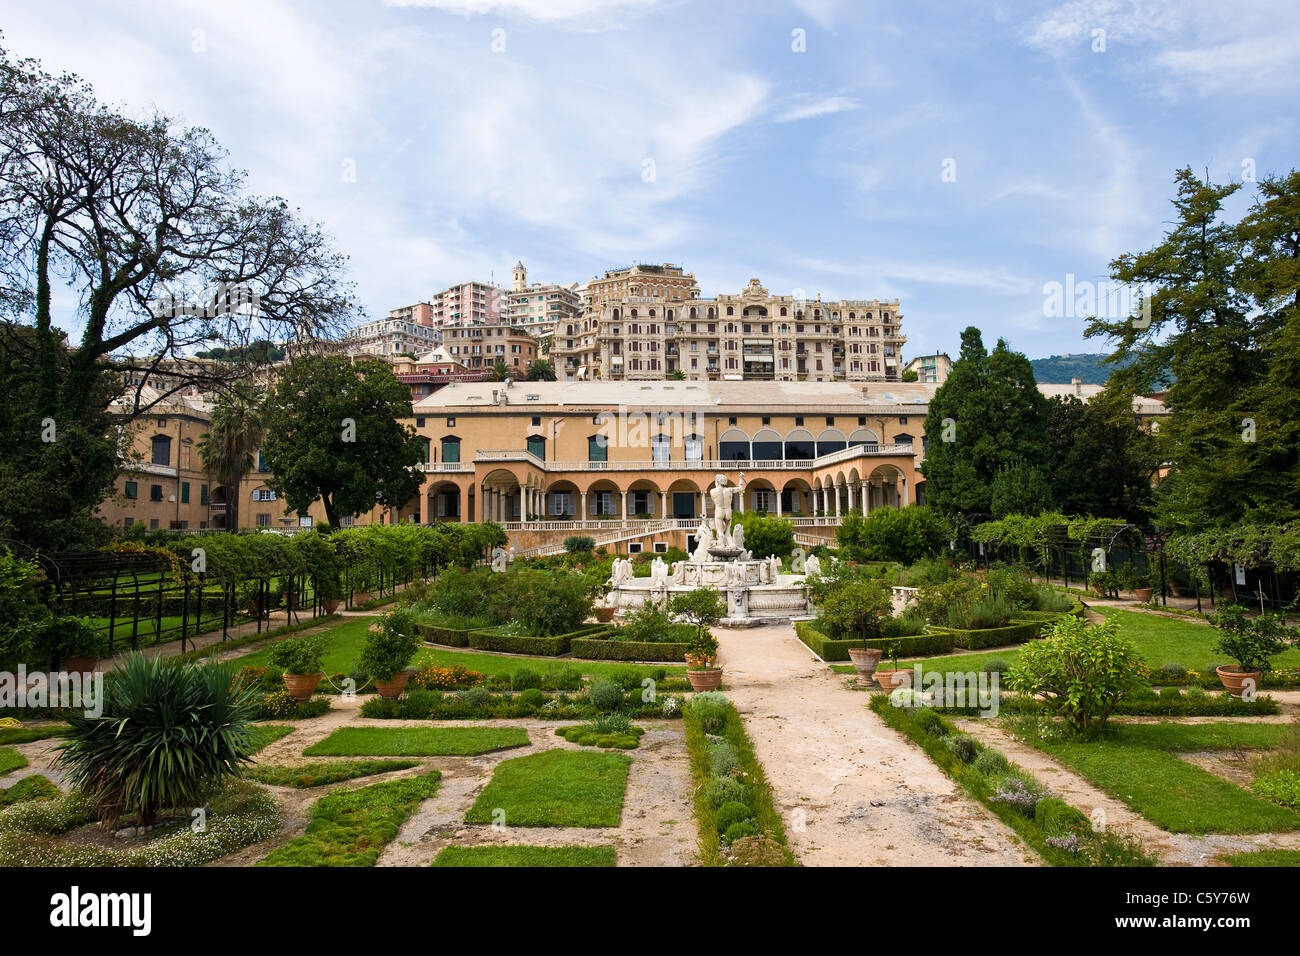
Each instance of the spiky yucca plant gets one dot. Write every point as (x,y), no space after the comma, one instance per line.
(167,734)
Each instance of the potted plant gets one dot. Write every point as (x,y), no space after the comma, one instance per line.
(894,676)
(701,608)
(1251,643)
(391,643)
(300,658)
(331,591)
(1103,583)
(865,660)
(74,641)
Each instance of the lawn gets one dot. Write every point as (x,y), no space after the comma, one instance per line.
(1138,765)
(344,649)
(11,760)
(1160,640)
(25,735)
(320,774)
(34,787)
(555,788)
(352,827)
(266,734)
(417,741)
(525,856)
(1264,858)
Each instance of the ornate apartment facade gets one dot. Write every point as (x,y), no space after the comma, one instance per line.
(749,336)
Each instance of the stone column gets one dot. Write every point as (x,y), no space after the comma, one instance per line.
(850,489)
(837,502)
(583,517)
(778,504)
(904,502)
(624,509)
(866,497)
(663,504)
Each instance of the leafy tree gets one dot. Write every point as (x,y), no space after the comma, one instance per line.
(1019,489)
(1101,461)
(333,435)
(701,608)
(1222,334)
(235,430)
(909,375)
(766,534)
(988,415)
(542,371)
(857,609)
(500,371)
(894,534)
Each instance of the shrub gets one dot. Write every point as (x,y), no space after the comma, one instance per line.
(627,678)
(720,790)
(761,850)
(1019,793)
(1057,818)
(1081,671)
(390,644)
(930,722)
(1280,786)
(856,609)
(701,608)
(299,655)
(532,697)
(1172,671)
(732,812)
(710,708)
(739,830)
(991,763)
(963,747)
(1251,642)
(168,734)
(525,678)
(1171,693)
(651,624)
(579,544)
(989,610)
(904,534)
(606,696)
(766,534)
(723,759)
(996,666)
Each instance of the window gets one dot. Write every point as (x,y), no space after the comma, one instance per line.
(634,547)
(561,503)
(537,421)
(862,419)
(597,448)
(830,420)
(694,448)
(419,421)
(451,448)
(155,493)
(185,492)
(799,420)
(161,451)
(763,500)
(660,450)
(203,494)
(732,420)
(153,524)
(261,463)
(264,520)
(537,446)
(451,423)
(130,491)
(263,494)
(304,521)
(767,420)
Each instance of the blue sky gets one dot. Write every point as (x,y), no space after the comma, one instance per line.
(482,132)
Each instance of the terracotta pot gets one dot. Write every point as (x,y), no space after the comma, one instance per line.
(391,689)
(604,614)
(1176,590)
(1235,680)
(302,686)
(330,605)
(893,679)
(80,665)
(361,597)
(865,662)
(703,680)
(1144,595)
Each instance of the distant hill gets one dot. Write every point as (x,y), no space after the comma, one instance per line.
(1062,369)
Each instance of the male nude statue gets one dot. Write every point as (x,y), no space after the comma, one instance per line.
(720,495)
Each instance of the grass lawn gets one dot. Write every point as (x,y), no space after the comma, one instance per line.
(10,760)
(555,788)
(1138,765)
(525,856)
(1264,858)
(266,734)
(1160,640)
(344,649)
(417,741)
(25,735)
(320,774)
(35,787)
(352,827)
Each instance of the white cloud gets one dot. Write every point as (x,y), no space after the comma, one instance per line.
(543,10)
(870,274)
(810,108)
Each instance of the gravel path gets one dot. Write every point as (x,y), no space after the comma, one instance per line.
(852,791)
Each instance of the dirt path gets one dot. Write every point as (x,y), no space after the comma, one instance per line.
(852,791)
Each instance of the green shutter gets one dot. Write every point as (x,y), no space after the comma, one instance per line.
(185,492)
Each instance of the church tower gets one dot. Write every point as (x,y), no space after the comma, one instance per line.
(521,277)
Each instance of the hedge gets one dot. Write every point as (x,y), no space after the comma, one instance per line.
(920,645)
(449,636)
(596,649)
(1207,706)
(1017,632)
(490,639)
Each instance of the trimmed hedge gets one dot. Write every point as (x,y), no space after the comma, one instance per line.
(447,636)
(596,649)
(919,645)
(490,639)
(1219,705)
(1017,632)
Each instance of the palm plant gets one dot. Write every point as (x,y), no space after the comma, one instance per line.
(167,734)
(235,431)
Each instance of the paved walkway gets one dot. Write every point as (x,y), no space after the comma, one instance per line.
(852,791)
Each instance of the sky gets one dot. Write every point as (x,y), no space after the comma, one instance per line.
(957,156)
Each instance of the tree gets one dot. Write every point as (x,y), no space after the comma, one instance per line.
(165,249)
(500,371)
(676,375)
(1019,489)
(1101,461)
(988,415)
(235,430)
(333,435)
(542,371)
(701,608)
(909,375)
(894,534)
(766,534)
(1219,329)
